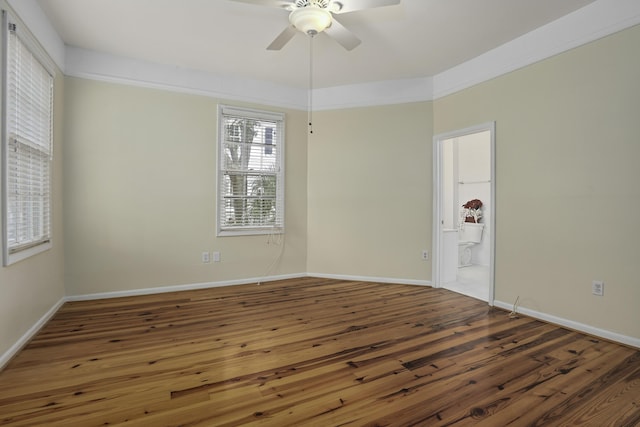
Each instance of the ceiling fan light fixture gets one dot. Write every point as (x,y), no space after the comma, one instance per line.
(310,20)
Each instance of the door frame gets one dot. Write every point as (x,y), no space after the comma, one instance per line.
(437,258)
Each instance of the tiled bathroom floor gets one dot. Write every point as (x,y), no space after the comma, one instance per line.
(472,281)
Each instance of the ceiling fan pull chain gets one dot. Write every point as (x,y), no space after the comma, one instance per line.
(310,106)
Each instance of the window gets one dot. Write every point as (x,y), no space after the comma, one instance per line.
(26,144)
(250,171)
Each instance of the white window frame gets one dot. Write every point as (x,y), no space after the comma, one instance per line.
(27,143)
(225,196)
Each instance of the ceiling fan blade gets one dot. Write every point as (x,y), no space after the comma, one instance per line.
(343,36)
(270,3)
(283,38)
(353,5)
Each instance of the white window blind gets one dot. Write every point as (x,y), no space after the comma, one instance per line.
(27,145)
(250,171)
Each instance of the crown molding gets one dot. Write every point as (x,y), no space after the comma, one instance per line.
(592,22)
(94,65)
(596,20)
(110,68)
(376,93)
(32,15)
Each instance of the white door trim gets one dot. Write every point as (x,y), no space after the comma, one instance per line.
(436,259)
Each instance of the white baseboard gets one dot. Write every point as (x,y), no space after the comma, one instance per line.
(576,326)
(177,288)
(393,280)
(206,285)
(15,348)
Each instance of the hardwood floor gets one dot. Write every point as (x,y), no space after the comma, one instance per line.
(316,352)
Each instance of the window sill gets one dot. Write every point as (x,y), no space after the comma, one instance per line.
(250,232)
(13,258)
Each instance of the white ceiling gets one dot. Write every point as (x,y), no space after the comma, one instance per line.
(418,38)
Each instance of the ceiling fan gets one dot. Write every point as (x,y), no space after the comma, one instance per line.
(315,16)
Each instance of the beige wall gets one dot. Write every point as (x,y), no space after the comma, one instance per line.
(370,175)
(30,288)
(568,182)
(140,193)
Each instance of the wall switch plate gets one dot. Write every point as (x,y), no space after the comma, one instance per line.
(205,257)
(425,255)
(597,288)
(216,256)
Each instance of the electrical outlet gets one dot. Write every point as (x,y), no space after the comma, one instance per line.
(597,288)
(205,257)
(216,256)
(425,255)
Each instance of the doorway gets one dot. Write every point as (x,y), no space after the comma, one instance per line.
(464,211)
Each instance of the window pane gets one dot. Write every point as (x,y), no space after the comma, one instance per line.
(28,145)
(250,172)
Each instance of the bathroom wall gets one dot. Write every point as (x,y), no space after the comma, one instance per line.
(450,207)
(466,175)
(474,182)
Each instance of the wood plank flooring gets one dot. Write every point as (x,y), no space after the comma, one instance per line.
(315,352)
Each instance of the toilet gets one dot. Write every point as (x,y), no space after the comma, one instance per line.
(469,234)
